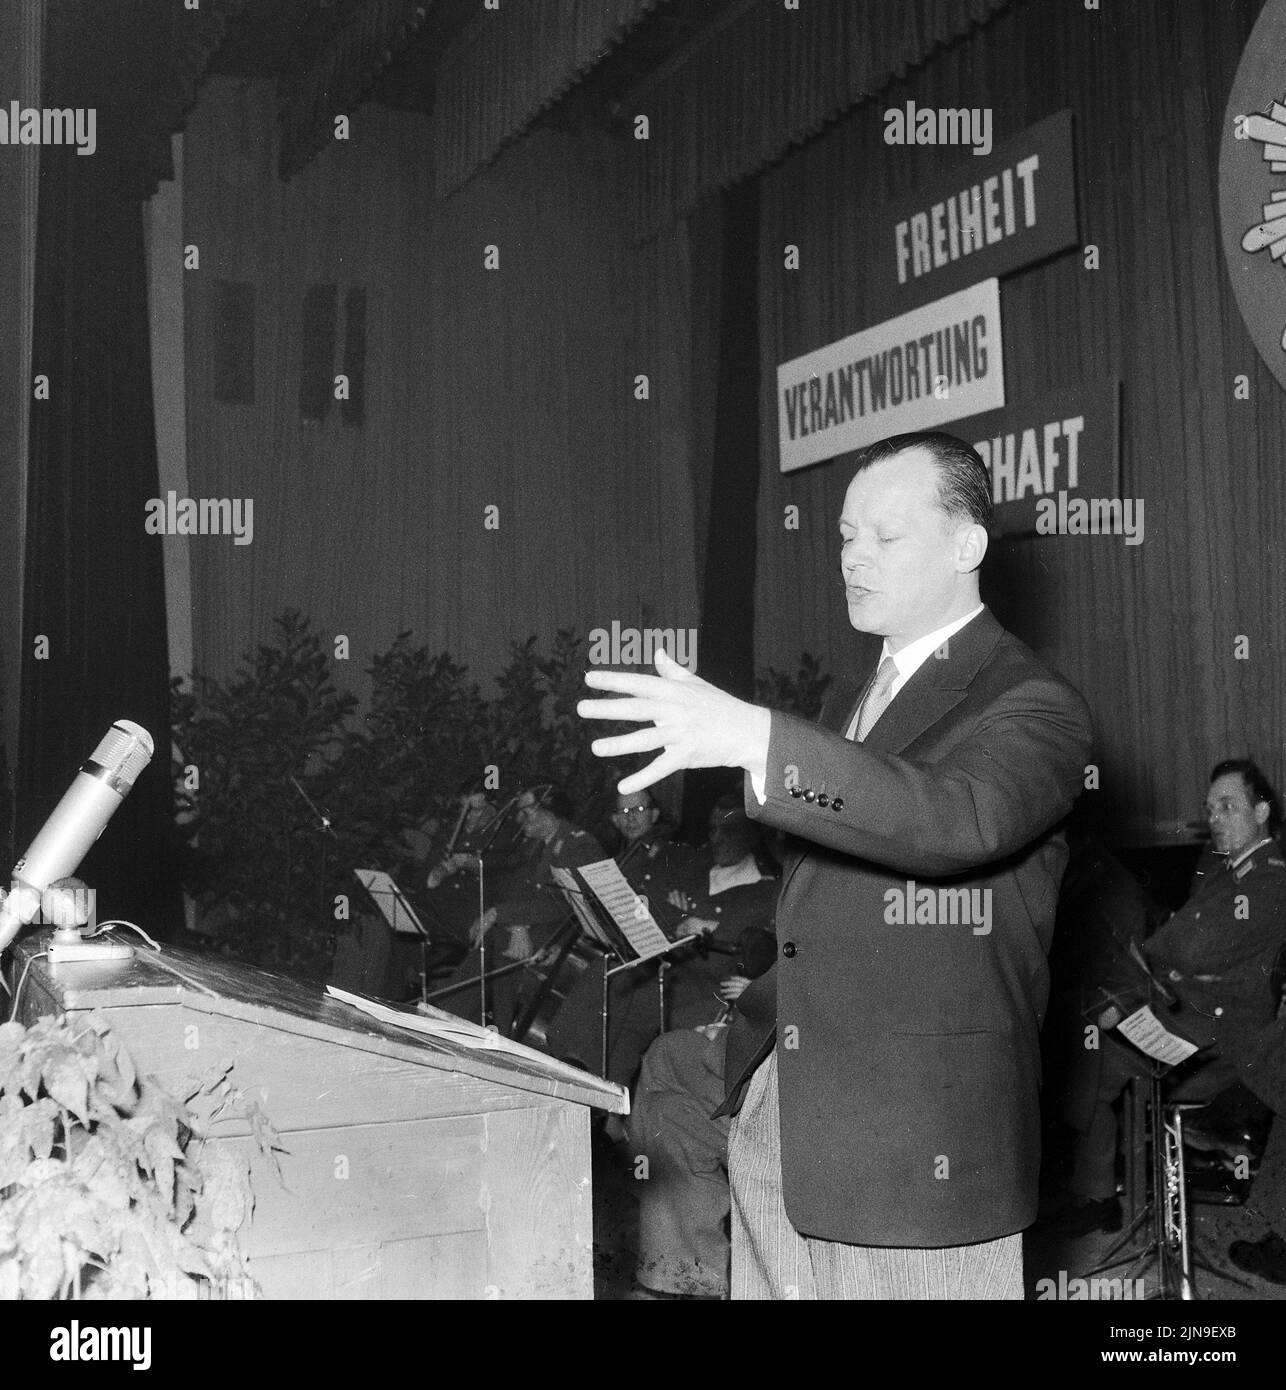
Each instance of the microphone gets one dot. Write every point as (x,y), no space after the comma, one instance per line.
(101,784)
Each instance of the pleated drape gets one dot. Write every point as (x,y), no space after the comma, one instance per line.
(512,388)
(772,79)
(94,631)
(510,64)
(322,82)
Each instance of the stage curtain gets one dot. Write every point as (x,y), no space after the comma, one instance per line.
(1147,632)
(509,65)
(332,76)
(725,279)
(94,634)
(772,79)
(511,388)
(20,45)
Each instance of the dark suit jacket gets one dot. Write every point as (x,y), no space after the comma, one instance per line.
(909,1054)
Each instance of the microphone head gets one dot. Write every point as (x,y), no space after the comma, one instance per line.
(125,750)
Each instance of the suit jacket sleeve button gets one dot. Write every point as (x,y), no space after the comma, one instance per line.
(810,795)
(796,790)
(837,804)
(823,799)
(788,950)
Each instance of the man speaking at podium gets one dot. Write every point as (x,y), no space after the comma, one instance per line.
(886,1133)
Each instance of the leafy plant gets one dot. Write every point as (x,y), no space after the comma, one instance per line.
(280,717)
(425,732)
(108,1188)
(801,693)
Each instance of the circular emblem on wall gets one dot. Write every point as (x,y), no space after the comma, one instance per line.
(1252,186)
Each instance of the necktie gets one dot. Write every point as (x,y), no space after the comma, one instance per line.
(877,699)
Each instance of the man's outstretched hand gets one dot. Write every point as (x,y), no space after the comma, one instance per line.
(693,722)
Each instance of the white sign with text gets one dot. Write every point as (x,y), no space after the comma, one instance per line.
(935,364)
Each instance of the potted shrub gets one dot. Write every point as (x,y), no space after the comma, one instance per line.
(108,1186)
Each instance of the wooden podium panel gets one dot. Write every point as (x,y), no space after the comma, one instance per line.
(415,1168)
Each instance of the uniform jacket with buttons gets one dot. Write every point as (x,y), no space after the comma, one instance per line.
(656,869)
(455,900)
(1219,951)
(533,898)
(908,1054)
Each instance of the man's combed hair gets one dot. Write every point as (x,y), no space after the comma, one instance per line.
(964,485)
(1258,786)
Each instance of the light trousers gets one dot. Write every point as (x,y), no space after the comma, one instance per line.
(770,1259)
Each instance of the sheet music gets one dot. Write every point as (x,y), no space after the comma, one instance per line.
(627,909)
(1146,1031)
(436,1023)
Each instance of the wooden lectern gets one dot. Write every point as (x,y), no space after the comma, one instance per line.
(414,1168)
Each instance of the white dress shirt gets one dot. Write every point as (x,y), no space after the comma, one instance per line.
(913,656)
(908,661)
(725,876)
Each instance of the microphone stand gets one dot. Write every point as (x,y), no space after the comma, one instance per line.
(326,828)
(485,975)
(493,831)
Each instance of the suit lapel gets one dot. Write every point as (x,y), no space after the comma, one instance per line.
(919,705)
(936,688)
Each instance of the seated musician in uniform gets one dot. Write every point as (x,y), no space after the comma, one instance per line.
(1218,952)
(451,883)
(447,848)
(532,910)
(730,898)
(1216,955)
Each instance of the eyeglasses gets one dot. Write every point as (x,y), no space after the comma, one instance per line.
(629,810)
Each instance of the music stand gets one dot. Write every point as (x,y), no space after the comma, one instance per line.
(324,828)
(401,917)
(663,965)
(618,919)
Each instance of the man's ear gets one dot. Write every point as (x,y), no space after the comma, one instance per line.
(971,546)
(1261,813)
